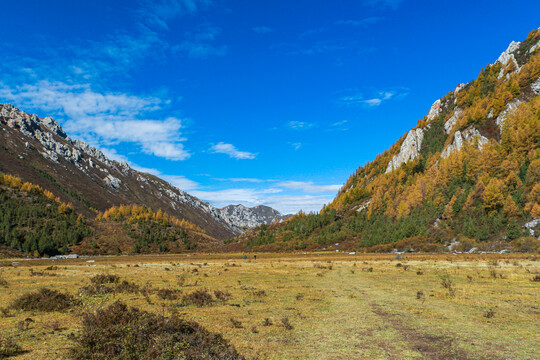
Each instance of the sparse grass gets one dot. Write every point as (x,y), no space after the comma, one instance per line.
(375,313)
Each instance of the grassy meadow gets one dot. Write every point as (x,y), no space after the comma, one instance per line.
(298,306)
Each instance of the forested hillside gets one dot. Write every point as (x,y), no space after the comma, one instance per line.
(35,222)
(468,171)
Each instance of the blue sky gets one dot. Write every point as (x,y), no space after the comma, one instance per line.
(252,102)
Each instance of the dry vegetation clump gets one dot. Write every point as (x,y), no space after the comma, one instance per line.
(102,279)
(169,294)
(237,324)
(448,284)
(199,298)
(3,282)
(92,290)
(8,347)
(109,284)
(122,332)
(127,287)
(222,295)
(44,300)
(286,324)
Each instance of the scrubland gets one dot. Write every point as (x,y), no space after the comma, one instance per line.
(282,306)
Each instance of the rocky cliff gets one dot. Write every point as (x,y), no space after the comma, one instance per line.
(39,151)
(248,218)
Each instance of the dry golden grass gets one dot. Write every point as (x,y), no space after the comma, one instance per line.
(306,306)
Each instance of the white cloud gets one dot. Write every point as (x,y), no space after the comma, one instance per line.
(181,182)
(296,145)
(375,100)
(300,125)
(232,151)
(309,187)
(286,204)
(107,118)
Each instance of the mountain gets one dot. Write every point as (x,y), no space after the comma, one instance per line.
(467,174)
(39,151)
(247,218)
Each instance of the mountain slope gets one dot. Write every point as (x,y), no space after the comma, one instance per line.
(247,218)
(469,169)
(39,151)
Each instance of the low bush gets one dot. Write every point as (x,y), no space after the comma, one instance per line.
(101,279)
(222,295)
(199,298)
(169,294)
(8,347)
(44,300)
(121,332)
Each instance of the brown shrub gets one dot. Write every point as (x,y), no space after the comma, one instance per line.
(8,347)
(169,294)
(101,279)
(237,324)
(199,298)
(222,295)
(44,300)
(286,324)
(119,332)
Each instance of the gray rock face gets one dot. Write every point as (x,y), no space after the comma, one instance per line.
(435,110)
(245,217)
(410,149)
(470,135)
(508,56)
(510,108)
(535,87)
(56,146)
(449,124)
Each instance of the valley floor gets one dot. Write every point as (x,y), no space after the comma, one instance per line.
(363,306)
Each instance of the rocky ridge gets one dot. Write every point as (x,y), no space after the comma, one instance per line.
(248,218)
(38,150)
(412,145)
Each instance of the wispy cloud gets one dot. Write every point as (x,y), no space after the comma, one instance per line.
(296,145)
(158,13)
(374,99)
(200,43)
(262,29)
(360,22)
(104,118)
(181,182)
(232,151)
(309,187)
(342,125)
(300,125)
(391,4)
(248,180)
(286,204)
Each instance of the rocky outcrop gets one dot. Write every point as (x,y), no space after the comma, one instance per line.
(449,124)
(83,169)
(410,149)
(435,110)
(470,135)
(248,218)
(508,56)
(510,107)
(535,87)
